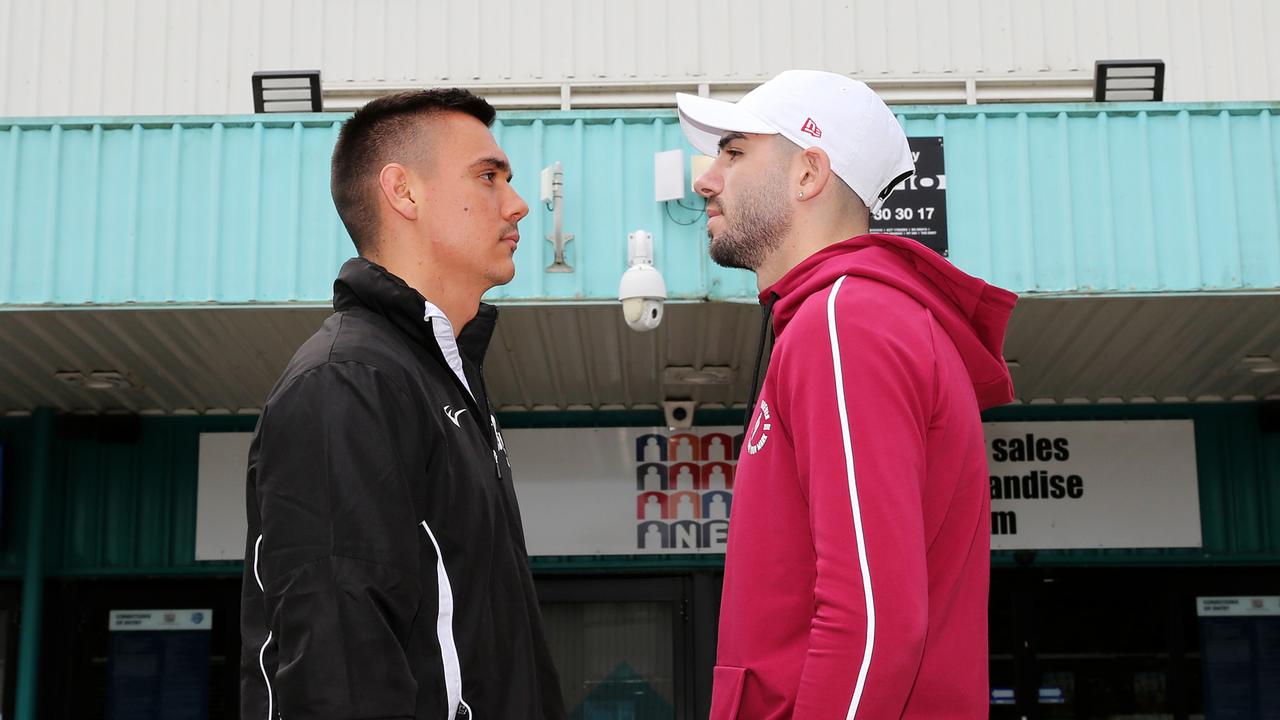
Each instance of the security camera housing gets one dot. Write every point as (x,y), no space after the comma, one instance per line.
(642,314)
(679,413)
(641,289)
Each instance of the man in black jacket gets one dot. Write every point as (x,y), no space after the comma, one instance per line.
(386,574)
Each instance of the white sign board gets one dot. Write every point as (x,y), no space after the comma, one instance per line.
(221,524)
(1108,484)
(628,491)
(1238,606)
(139,620)
(1054,485)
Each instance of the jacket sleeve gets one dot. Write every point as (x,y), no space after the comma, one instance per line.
(857,395)
(338,554)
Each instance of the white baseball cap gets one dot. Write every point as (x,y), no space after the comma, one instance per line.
(811,108)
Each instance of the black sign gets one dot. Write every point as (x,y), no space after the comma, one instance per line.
(918,208)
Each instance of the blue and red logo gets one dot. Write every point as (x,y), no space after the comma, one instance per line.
(684,490)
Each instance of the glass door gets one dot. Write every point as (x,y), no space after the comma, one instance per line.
(620,646)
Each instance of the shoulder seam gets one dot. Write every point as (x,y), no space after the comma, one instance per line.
(342,318)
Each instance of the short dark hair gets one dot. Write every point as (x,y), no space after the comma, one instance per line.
(384,131)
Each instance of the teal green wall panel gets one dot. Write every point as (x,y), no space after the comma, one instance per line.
(1086,198)
(17,436)
(124,495)
(1137,198)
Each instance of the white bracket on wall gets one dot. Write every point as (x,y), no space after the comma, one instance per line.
(552,196)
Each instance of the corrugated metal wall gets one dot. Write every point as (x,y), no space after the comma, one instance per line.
(1070,198)
(129,57)
(1076,200)
(121,504)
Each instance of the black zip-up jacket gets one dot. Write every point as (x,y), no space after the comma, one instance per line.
(386,574)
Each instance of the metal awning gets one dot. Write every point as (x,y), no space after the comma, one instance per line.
(225,360)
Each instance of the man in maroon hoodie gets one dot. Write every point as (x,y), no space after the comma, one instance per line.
(859,546)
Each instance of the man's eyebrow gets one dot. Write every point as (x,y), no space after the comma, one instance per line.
(730,138)
(496,163)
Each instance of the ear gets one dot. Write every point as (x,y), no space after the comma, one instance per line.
(815,173)
(395,183)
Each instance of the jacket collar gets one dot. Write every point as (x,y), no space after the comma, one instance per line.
(367,285)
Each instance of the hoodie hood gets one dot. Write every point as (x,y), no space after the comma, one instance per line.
(973,313)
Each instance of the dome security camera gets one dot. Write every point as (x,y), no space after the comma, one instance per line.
(642,289)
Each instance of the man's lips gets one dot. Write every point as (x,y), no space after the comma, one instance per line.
(513,238)
(712,212)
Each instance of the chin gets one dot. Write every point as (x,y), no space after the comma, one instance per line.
(502,275)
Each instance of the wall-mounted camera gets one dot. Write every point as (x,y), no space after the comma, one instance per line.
(642,289)
(679,412)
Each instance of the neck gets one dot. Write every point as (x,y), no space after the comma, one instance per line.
(808,235)
(457,299)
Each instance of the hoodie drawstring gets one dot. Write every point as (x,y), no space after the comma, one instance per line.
(766,335)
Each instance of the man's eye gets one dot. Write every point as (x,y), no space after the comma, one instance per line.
(732,152)
(489,176)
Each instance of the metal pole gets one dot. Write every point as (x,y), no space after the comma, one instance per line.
(33,569)
(558,237)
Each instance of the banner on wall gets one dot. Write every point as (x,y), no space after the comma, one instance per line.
(628,491)
(1054,485)
(1104,484)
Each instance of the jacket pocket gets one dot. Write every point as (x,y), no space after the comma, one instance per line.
(726,692)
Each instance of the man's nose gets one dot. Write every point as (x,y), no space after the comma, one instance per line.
(517,208)
(708,184)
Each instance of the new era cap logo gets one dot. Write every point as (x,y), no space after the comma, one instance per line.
(811,128)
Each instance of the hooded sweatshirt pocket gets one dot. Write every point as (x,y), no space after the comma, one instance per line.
(726,692)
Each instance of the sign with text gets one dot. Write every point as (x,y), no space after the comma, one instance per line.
(1106,484)
(149,620)
(1054,485)
(918,208)
(158,664)
(625,491)
(1247,606)
(1240,655)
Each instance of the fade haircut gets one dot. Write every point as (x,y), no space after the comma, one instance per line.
(387,130)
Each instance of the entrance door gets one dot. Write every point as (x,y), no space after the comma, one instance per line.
(1096,643)
(621,646)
